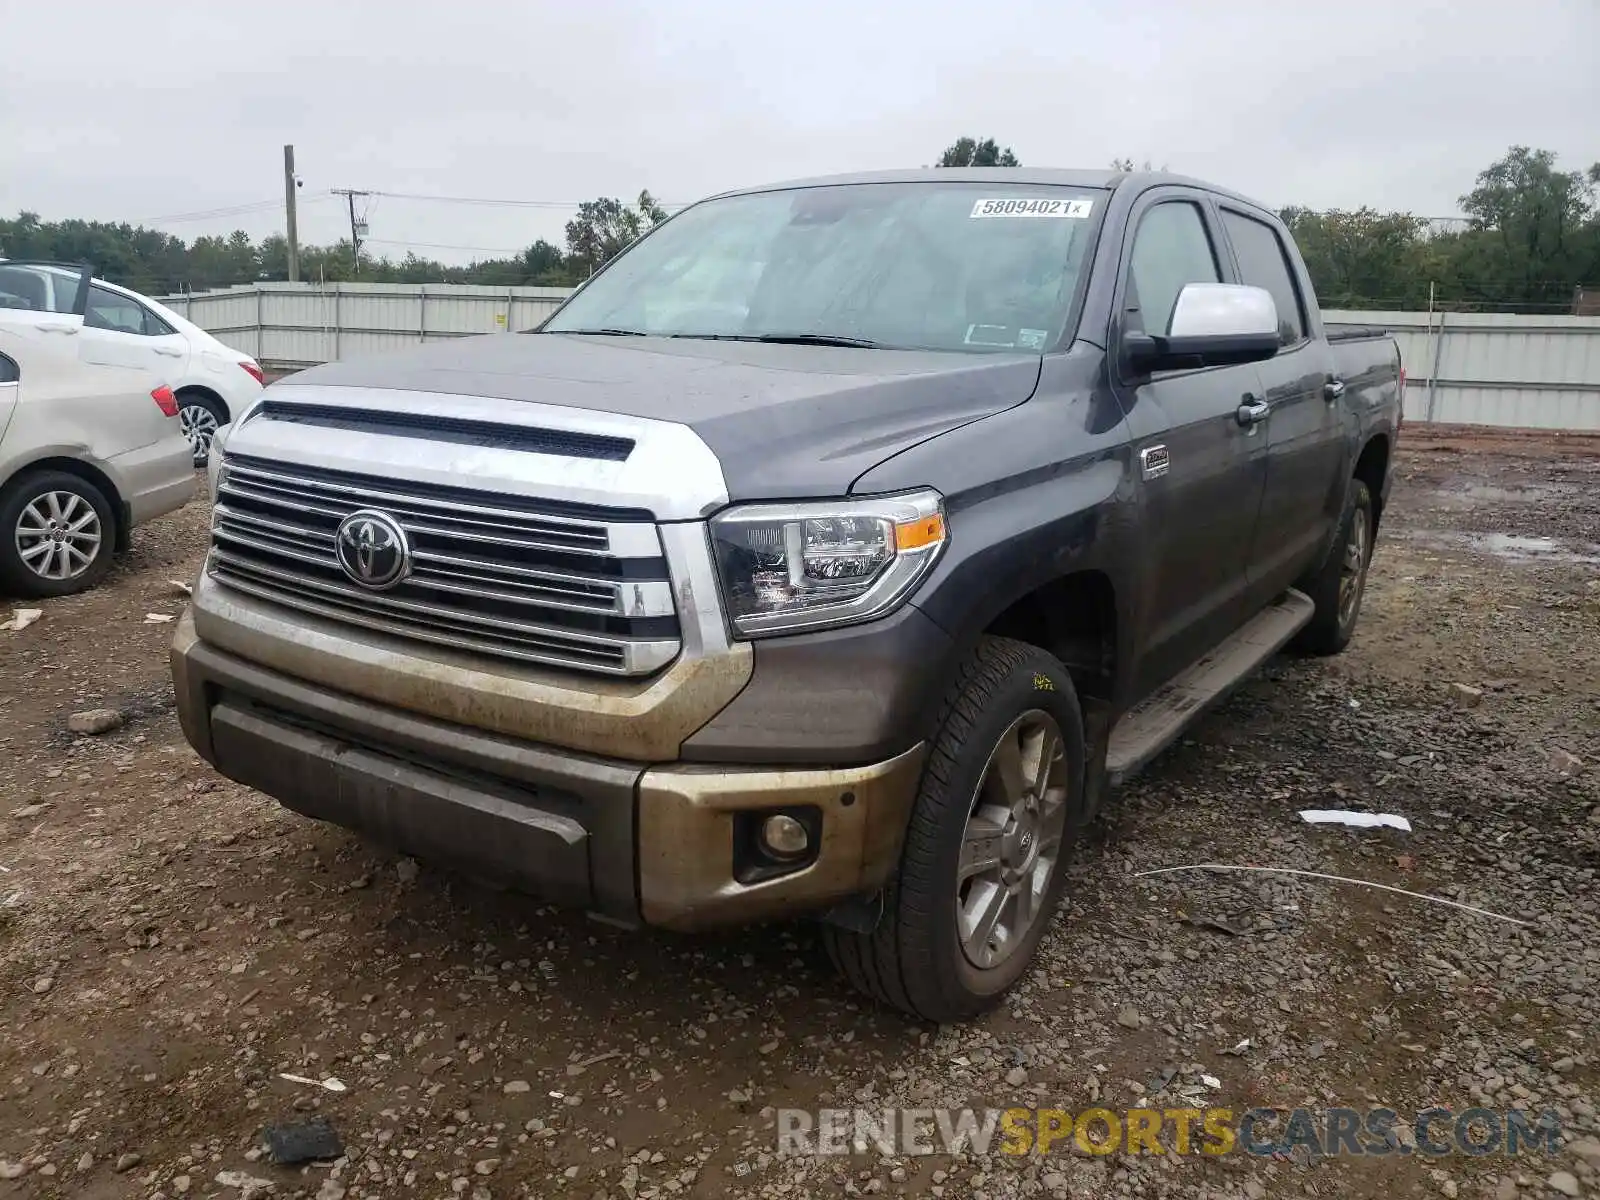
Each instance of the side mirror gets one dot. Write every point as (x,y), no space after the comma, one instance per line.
(1213,324)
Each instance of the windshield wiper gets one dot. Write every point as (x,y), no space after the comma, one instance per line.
(602,332)
(786,339)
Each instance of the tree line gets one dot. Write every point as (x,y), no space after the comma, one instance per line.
(157,263)
(1528,241)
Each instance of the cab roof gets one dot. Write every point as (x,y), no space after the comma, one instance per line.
(1106,180)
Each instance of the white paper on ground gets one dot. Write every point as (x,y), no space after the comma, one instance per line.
(21,618)
(1360,820)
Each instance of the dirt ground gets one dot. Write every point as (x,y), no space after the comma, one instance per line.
(171,943)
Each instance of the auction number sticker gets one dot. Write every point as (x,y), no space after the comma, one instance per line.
(1018,206)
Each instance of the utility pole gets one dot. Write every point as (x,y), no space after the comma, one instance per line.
(289,185)
(357,228)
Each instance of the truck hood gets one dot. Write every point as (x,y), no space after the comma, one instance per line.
(785,421)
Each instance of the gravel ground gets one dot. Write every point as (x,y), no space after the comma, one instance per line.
(170,943)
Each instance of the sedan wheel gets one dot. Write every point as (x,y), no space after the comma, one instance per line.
(199,424)
(58,536)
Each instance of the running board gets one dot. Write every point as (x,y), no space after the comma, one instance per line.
(1155,723)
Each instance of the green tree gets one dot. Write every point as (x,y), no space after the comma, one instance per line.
(967,152)
(1534,236)
(1363,259)
(604,228)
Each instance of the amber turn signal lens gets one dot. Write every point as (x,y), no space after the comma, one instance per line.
(924,531)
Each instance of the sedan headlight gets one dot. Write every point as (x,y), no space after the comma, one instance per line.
(788,567)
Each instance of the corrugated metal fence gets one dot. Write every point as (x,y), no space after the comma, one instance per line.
(287,325)
(1519,372)
(1531,372)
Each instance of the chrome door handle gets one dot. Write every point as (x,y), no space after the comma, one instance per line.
(1333,389)
(1253,412)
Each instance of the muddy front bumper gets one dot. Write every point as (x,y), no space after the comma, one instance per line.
(661,844)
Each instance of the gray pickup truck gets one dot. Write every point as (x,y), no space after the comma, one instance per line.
(830,552)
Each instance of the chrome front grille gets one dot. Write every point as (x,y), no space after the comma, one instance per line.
(496,575)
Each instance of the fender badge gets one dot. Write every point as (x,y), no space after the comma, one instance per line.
(1154,461)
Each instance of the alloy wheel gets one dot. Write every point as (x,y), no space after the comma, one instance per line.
(199,425)
(58,535)
(1012,842)
(1353,570)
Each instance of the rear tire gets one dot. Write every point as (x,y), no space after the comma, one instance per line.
(200,417)
(1339,585)
(58,535)
(930,954)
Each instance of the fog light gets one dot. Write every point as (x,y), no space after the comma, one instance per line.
(783,836)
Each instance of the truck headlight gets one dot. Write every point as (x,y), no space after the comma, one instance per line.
(789,567)
(215,470)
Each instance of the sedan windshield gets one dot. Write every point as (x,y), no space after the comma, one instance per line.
(927,266)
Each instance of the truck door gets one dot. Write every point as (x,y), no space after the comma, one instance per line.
(1200,472)
(1306,444)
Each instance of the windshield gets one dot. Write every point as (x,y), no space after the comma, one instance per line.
(928,266)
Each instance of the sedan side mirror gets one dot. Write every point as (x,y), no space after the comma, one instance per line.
(1213,324)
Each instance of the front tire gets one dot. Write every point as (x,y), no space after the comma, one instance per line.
(57,535)
(1339,585)
(983,863)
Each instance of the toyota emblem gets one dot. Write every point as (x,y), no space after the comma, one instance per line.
(373,550)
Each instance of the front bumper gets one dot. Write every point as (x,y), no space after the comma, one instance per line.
(626,840)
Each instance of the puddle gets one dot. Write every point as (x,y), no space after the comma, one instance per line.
(1512,546)
(1526,494)
(1475,494)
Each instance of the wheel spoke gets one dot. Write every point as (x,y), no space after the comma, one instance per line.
(980,848)
(74,553)
(986,904)
(1008,768)
(88,518)
(37,550)
(1053,827)
(32,520)
(60,568)
(1044,751)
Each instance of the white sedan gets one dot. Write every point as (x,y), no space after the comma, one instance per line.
(119,327)
(88,450)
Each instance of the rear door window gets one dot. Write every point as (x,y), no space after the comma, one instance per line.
(109,310)
(8,371)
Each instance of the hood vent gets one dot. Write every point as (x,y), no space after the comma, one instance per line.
(461,431)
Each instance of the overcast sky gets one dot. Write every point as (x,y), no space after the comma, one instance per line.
(124,111)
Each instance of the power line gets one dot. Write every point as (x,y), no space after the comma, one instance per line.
(444,246)
(502,203)
(207,214)
(236,210)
